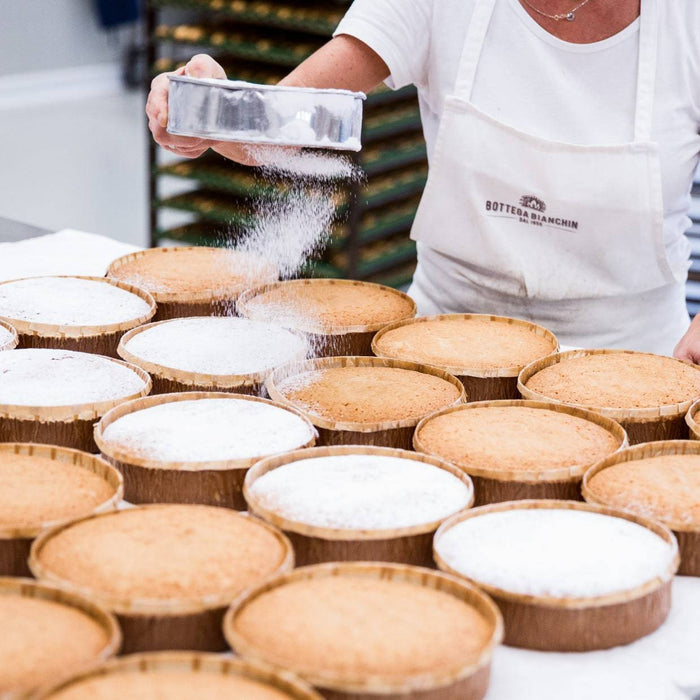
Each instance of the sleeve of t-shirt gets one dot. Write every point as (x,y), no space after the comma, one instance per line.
(398,31)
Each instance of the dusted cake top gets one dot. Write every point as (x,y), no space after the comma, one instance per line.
(618,380)
(353,625)
(5,337)
(515,438)
(361,492)
(39,377)
(554,552)
(69,301)
(42,640)
(211,272)
(217,345)
(469,343)
(665,488)
(37,490)
(207,430)
(171,684)
(329,305)
(173,551)
(368,394)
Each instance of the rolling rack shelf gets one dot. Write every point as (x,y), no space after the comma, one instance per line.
(210,201)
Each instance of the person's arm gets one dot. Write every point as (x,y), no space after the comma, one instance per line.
(689,346)
(342,63)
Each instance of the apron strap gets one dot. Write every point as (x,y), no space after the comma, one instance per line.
(646,70)
(473,43)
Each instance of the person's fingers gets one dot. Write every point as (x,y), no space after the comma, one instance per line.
(688,351)
(204,66)
(167,140)
(157,101)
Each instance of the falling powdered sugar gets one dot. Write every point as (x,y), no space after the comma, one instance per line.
(555,552)
(217,345)
(207,430)
(290,229)
(69,301)
(39,377)
(361,492)
(292,161)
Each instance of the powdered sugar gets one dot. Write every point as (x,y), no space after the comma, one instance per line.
(217,345)
(292,161)
(289,229)
(68,301)
(208,430)
(555,552)
(361,492)
(38,377)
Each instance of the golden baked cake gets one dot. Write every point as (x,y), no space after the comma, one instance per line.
(476,343)
(665,488)
(195,272)
(368,394)
(618,380)
(171,684)
(37,490)
(321,305)
(358,626)
(163,552)
(514,439)
(42,640)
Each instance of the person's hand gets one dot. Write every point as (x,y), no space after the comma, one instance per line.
(689,346)
(200,66)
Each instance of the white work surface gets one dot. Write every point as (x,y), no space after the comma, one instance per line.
(65,252)
(663,666)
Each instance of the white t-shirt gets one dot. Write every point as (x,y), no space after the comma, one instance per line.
(533,81)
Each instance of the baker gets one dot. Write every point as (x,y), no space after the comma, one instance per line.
(562,139)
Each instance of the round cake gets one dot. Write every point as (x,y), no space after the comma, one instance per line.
(665,487)
(328,306)
(181,676)
(212,351)
(361,631)
(554,552)
(8,336)
(647,394)
(361,492)
(193,274)
(152,556)
(46,635)
(203,431)
(71,301)
(464,343)
(520,449)
(625,380)
(39,489)
(42,378)
(367,394)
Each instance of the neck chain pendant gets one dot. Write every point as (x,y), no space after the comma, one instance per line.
(570,17)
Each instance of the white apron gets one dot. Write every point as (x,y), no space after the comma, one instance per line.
(564,234)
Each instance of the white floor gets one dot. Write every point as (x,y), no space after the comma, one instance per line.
(77,164)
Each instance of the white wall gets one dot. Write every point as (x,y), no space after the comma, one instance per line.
(38,35)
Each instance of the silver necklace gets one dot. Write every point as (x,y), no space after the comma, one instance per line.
(569,16)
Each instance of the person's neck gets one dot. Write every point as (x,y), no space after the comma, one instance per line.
(595,21)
